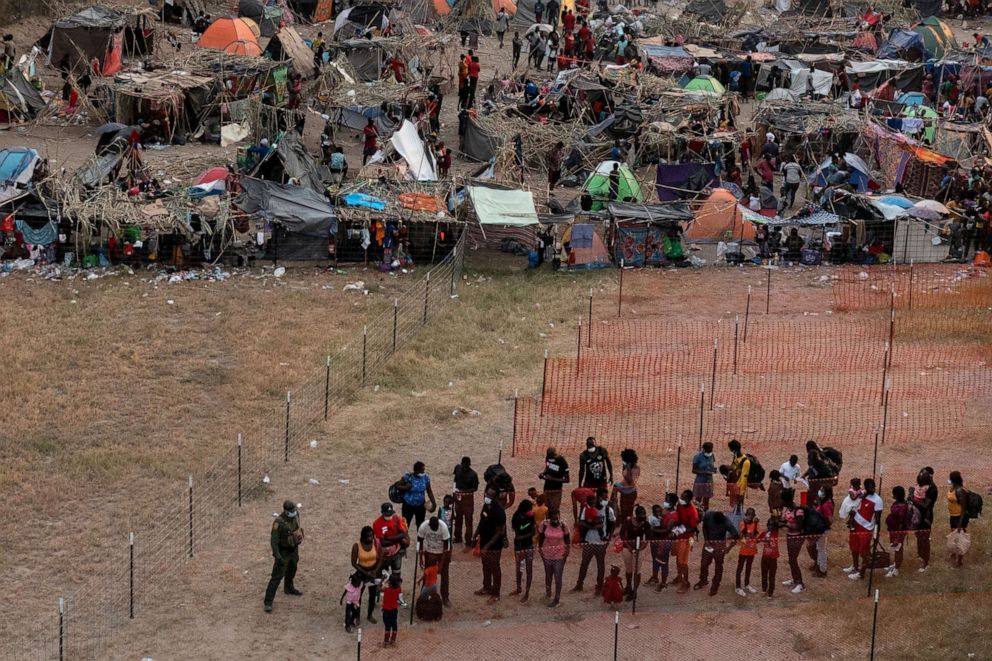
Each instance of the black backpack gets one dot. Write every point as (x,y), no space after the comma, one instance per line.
(395,495)
(973,505)
(834,456)
(814,523)
(756,473)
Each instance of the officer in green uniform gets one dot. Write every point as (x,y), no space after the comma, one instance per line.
(286,538)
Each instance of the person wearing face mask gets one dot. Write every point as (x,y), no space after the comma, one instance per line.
(633,534)
(524,531)
(661,550)
(625,489)
(816,545)
(490,533)
(595,471)
(924,496)
(847,508)
(597,521)
(367,562)
(553,542)
(719,536)
(416,488)
(703,467)
(435,550)
(285,541)
(555,476)
(688,520)
(749,549)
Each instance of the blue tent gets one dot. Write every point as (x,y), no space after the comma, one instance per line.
(912,99)
(903,45)
(14,163)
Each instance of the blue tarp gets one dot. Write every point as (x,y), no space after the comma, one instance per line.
(654,50)
(13,162)
(900,41)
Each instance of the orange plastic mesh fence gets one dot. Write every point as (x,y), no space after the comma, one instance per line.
(913,287)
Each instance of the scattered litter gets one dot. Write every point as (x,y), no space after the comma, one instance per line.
(417,393)
(487,623)
(375,388)
(171,302)
(358,285)
(314,482)
(279,272)
(265,479)
(345,481)
(461,410)
(313,443)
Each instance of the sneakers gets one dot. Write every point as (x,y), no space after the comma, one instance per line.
(799,588)
(788,583)
(848,570)
(854,575)
(750,589)
(740,592)
(922,569)
(403,603)
(700,585)
(892,572)
(268,608)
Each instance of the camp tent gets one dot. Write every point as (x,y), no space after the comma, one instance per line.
(937,36)
(19,100)
(355,21)
(781,94)
(16,169)
(705,86)
(238,36)
(711,11)
(929,117)
(912,99)
(597,186)
(420,161)
(265,17)
(719,219)
(304,217)
(478,144)
(96,32)
(290,159)
(365,57)
(586,249)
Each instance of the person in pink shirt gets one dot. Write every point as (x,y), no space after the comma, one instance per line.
(553,541)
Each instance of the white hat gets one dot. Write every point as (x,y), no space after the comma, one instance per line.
(769,137)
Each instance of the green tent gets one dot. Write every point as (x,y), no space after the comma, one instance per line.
(707,85)
(925,113)
(937,37)
(598,185)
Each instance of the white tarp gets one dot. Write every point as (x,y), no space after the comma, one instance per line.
(496,206)
(407,143)
(800,73)
(875,66)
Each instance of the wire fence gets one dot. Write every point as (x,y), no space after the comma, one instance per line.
(86,620)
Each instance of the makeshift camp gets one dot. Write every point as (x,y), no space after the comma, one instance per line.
(600,188)
(100,33)
(287,44)
(302,219)
(501,214)
(648,235)
(169,102)
(19,100)
(237,36)
(719,218)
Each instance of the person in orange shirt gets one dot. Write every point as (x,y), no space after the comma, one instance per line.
(749,549)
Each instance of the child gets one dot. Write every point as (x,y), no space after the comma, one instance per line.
(775,494)
(540,511)
(446,511)
(613,587)
(898,523)
(749,548)
(769,556)
(390,609)
(353,606)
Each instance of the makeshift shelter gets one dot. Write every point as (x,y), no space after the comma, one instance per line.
(287,44)
(290,160)
(366,57)
(419,160)
(19,100)
(927,117)
(237,36)
(711,11)
(303,219)
(585,247)
(781,94)
(266,17)
(599,191)
(503,215)
(675,181)
(938,37)
(359,20)
(98,32)
(719,218)
(904,45)
(172,101)
(479,144)
(705,86)
(648,234)
(16,170)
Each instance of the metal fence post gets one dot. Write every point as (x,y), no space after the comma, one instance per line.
(736,327)
(678,463)
(416,563)
(910,284)
(359,654)
(713,377)
(327,386)
(578,347)
(190,493)
(365,352)
(513,443)
(285,449)
(61,628)
(589,329)
(427,294)
(130,580)
(747,312)
(636,576)
(874,627)
(768,293)
(620,293)
(702,405)
(396,310)
(239,470)
(616,634)
(544,381)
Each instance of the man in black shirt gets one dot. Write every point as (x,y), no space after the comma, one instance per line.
(719,536)
(466,484)
(491,533)
(555,475)
(595,467)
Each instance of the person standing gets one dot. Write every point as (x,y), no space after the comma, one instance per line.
(466,484)
(595,472)
(633,534)
(553,542)
(517,43)
(366,560)
(661,551)
(823,501)
(554,164)
(719,536)
(897,522)
(555,476)
(435,550)
(285,540)
(391,599)
(747,74)
(740,468)
(769,556)
(703,467)
(749,548)
(864,527)
(596,522)
(554,12)
(688,517)
(371,135)
(524,532)
(416,488)
(353,607)
(793,176)
(957,509)
(490,534)
(393,535)
(794,517)
(538,11)
(850,504)
(924,497)
(625,489)
(502,23)
(474,69)
(789,472)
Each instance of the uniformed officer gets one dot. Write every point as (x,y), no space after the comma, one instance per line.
(285,539)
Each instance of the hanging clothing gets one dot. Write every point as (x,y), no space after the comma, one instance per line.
(42,236)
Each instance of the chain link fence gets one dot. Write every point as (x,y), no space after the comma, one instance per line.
(83,622)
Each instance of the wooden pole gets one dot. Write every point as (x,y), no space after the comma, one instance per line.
(747,312)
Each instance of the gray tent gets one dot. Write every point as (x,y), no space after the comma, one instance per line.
(18,98)
(267,18)
(711,11)
(366,57)
(479,145)
(290,159)
(305,217)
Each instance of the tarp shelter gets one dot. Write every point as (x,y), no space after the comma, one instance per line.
(238,36)
(598,186)
(19,100)
(16,169)
(644,231)
(357,118)
(181,96)
(937,36)
(586,249)
(365,57)
(874,73)
(407,143)
(906,45)
(711,11)
(94,32)
(267,18)
(929,117)
(719,218)
(356,21)
(287,44)
(305,218)
(478,144)
(675,181)
(499,206)
(289,160)
(781,94)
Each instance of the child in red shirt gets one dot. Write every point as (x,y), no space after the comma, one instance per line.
(613,587)
(390,610)
(769,557)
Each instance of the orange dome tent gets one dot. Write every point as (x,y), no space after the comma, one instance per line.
(238,36)
(719,219)
(509,5)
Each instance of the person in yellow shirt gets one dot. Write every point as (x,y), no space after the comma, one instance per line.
(540,509)
(957,499)
(739,467)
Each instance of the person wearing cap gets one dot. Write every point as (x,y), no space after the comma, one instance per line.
(285,540)
(393,535)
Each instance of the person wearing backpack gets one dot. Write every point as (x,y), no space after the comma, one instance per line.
(897,523)
(794,517)
(740,469)
(816,545)
(957,509)
(923,497)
